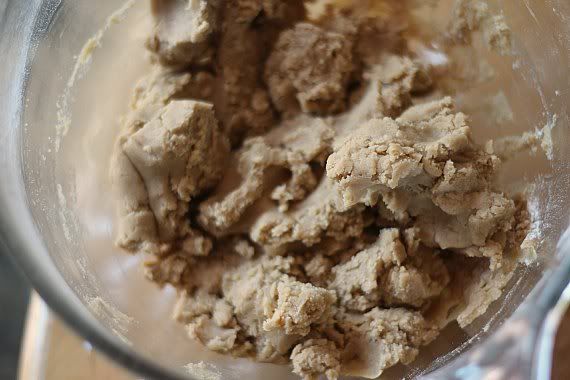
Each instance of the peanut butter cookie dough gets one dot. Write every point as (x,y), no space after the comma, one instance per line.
(303,182)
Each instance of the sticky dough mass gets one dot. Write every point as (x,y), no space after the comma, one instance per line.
(313,201)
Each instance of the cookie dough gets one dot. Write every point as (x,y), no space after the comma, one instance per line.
(307,187)
(182,31)
(310,68)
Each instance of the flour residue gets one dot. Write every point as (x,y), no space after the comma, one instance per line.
(62,207)
(80,68)
(203,371)
(546,136)
(118,320)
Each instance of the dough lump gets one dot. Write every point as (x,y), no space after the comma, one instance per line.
(310,68)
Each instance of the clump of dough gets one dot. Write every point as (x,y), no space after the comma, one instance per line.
(425,166)
(273,307)
(295,306)
(208,319)
(249,28)
(381,338)
(315,357)
(384,274)
(183,30)
(177,154)
(310,68)
(309,222)
(244,249)
(293,146)
(409,152)
(399,79)
(160,86)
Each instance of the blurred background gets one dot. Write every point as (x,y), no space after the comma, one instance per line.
(14,297)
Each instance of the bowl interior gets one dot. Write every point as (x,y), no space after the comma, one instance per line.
(73,105)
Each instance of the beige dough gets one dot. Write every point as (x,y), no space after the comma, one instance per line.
(310,68)
(183,30)
(307,189)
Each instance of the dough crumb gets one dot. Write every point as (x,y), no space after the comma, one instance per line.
(245,249)
(295,306)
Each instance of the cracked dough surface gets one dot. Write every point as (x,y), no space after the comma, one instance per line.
(308,190)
